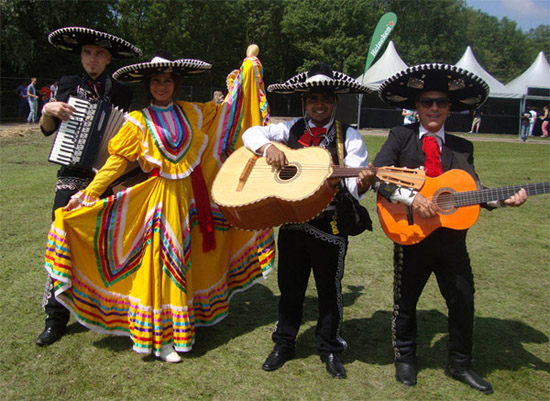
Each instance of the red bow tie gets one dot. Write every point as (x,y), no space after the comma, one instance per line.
(312,135)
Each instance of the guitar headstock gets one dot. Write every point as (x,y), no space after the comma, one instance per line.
(405,177)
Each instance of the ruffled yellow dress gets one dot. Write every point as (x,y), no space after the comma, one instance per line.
(135,263)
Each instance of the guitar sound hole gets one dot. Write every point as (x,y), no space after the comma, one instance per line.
(444,200)
(288,172)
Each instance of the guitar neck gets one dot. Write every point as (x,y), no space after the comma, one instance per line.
(344,172)
(497,194)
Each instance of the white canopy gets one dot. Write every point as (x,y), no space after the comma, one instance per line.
(387,65)
(497,89)
(536,76)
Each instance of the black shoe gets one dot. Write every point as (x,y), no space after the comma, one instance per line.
(468,376)
(405,373)
(334,366)
(51,334)
(277,358)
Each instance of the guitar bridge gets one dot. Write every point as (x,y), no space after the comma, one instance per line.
(246,172)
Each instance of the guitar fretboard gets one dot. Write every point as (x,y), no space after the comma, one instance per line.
(496,194)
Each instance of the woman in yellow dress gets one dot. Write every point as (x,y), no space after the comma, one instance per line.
(158,259)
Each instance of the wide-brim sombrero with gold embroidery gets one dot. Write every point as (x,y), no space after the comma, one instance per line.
(319,77)
(72,38)
(160,63)
(466,90)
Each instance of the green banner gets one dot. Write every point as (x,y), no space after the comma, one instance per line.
(383,29)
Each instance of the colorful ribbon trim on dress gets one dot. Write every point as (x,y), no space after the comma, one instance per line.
(173,145)
(235,99)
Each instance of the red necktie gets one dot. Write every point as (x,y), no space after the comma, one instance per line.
(95,86)
(314,136)
(433,156)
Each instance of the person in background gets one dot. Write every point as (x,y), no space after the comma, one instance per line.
(96,48)
(317,245)
(22,103)
(525,128)
(158,259)
(32,98)
(532,120)
(433,90)
(409,116)
(545,118)
(476,122)
(44,96)
(53,91)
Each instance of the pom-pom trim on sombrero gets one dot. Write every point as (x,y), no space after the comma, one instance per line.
(302,83)
(72,38)
(465,89)
(137,72)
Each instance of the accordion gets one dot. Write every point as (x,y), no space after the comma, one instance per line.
(83,140)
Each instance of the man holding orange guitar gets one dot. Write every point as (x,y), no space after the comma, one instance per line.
(319,244)
(433,90)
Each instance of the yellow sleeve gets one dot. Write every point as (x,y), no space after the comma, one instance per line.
(128,141)
(244,106)
(113,168)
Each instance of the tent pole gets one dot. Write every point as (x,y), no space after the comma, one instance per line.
(359,101)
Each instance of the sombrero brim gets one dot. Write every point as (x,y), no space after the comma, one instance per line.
(341,83)
(74,37)
(465,89)
(136,73)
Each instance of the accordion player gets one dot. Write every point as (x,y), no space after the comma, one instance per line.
(82,141)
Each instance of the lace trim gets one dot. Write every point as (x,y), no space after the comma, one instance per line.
(84,199)
(71,183)
(341,243)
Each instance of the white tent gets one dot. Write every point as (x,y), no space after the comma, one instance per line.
(497,89)
(536,76)
(387,65)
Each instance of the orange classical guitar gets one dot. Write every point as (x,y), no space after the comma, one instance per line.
(457,199)
(254,195)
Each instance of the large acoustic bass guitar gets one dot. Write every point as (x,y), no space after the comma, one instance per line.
(254,195)
(456,198)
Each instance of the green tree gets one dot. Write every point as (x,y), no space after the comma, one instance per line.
(25,28)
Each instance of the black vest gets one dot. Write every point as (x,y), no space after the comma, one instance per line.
(298,129)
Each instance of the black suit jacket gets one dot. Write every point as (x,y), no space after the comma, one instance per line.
(403,148)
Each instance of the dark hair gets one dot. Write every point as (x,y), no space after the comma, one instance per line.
(147,85)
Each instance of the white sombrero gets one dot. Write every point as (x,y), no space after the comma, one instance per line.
(72,38)
(465,89)
(319,77)
(160,63)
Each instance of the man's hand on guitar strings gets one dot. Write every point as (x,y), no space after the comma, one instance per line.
(423,206)
(273,156)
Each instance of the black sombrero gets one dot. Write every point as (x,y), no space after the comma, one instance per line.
(72,38)
(465,89)
(161,62)
(319,77)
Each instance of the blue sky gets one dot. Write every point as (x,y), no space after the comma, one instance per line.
(526,13)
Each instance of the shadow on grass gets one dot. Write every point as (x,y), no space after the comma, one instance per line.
(498,343)
(248,310)
(255,308)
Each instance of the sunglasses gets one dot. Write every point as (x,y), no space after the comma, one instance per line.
(427,102)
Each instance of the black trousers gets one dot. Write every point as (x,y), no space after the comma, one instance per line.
(57,314)
(443,253)
(303,248)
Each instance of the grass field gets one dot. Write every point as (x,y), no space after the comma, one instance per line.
(510,255)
